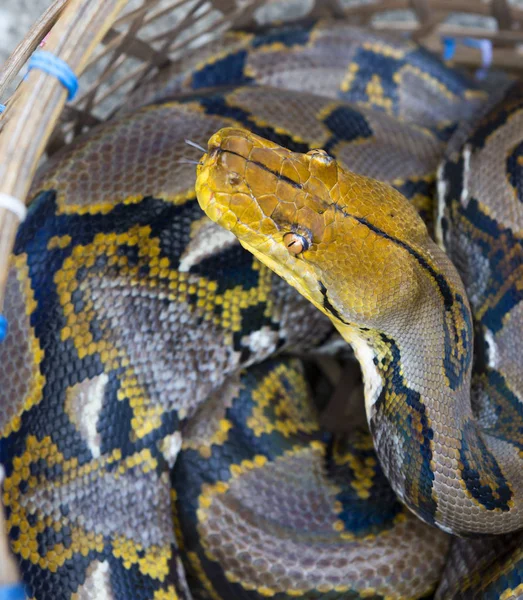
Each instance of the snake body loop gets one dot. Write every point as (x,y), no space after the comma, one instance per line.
(370,265)
(160,435)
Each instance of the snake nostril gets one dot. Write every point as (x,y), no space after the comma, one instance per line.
(233,178)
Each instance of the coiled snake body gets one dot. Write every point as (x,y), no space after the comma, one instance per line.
(133,433)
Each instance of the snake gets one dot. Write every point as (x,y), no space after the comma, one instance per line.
(161,401)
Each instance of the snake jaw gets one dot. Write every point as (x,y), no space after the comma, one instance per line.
(286,268)
(216,211)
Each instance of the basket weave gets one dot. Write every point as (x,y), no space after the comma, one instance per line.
(115,45)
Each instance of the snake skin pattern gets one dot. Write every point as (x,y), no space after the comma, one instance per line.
(160,439)
(480,223)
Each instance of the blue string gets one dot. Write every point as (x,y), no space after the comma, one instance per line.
(3,334)
(449,48)
(12,592)
(484,46)
(51,64)
(2,108)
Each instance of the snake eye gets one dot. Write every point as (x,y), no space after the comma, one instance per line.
(321,156)
(296,243)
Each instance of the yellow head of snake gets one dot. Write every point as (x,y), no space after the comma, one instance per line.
(335,236)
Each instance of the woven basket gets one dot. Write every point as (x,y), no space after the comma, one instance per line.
(116,45)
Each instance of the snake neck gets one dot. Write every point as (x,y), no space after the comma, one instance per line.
(440,462)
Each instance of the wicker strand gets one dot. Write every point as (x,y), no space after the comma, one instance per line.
(501,12)
(28,45)
(422,10)
(38,106)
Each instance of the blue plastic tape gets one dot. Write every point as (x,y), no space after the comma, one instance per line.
(3,331)
(449,48)
(483,45)
(51,64)
(12,592)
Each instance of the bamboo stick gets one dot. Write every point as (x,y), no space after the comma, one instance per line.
(39,102)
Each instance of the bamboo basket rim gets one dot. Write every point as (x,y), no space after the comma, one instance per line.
(90,34)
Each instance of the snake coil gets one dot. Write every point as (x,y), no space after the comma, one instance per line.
(158,431)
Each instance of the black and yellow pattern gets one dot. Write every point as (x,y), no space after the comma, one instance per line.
(293,508)
(376,71)
(104,421)
(480,227)
(142,459)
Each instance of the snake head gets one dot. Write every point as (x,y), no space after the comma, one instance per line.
(339,238)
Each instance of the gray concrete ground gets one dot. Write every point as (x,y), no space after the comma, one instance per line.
(16,17)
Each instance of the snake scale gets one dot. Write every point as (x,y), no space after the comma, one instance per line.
(158,428)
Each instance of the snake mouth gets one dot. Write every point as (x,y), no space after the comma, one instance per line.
(220,215)
(215,210)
